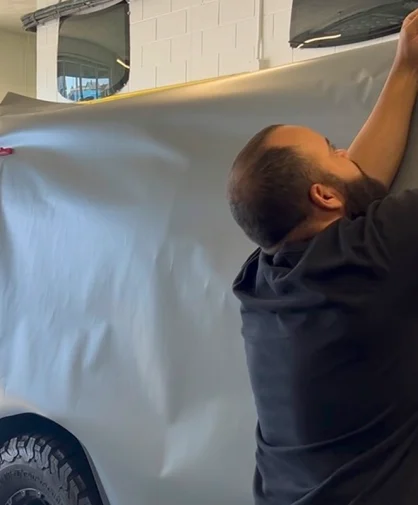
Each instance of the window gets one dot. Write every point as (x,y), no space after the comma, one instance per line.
(339,22)
(94,53)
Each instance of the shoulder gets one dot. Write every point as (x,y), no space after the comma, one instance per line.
(397,202)
(387,231)
(388,215)
(247,275)
(397,214)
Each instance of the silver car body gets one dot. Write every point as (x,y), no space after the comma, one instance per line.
(117,257)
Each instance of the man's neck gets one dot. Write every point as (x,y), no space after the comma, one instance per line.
(305,231)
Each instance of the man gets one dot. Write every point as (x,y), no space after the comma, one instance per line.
(330,305)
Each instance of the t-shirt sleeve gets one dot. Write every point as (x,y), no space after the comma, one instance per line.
(395,220)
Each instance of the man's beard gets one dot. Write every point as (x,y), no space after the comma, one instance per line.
(359,194)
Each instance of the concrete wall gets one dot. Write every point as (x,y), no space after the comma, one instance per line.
(176,41)
(18,63)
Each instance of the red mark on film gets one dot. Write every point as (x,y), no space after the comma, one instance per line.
(6,151)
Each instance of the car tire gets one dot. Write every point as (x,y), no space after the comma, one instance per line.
(37,470)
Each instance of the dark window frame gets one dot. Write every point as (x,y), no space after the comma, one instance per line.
(335,28)
(64,58)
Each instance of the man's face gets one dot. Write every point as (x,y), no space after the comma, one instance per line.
(352,186)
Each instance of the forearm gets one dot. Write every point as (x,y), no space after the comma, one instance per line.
(380,145)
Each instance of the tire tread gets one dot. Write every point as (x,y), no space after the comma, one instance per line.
(51,456)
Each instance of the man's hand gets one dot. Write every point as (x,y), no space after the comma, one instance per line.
(379,147)
(407,53)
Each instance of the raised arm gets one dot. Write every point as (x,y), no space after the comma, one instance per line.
(380,145)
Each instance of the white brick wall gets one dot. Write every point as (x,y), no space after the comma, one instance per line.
(175,41)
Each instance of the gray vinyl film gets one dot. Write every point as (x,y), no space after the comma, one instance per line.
(117,319)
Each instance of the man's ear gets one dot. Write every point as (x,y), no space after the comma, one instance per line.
(326,197)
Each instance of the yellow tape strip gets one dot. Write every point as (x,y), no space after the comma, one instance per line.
(122,96)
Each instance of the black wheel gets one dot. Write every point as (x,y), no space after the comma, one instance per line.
(36,470)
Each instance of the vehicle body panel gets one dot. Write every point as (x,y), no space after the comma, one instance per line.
(118,252)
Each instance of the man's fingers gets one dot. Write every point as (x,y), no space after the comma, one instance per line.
(411,17)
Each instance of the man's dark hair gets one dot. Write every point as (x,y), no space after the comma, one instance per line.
(268,190)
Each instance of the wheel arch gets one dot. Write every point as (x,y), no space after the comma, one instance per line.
(25,422)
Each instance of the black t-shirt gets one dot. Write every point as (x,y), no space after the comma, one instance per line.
(331,336)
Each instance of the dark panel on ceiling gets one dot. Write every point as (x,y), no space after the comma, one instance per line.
(345,21)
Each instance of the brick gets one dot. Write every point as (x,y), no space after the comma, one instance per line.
(272,6)
(205,16)
(281,25)
(203,67)
(234,10)
(41,36)
(247,33)
(221,38)
(156,8)
(172,24)
(41,4)
(142,33)
(275,56)
(276,47)
(186,46)
(52,35)
(136,11)
(174,73)
(46,75)
(181,47)
(135,63)
(268,26)
(237,61)
(41,75)
(184,4)
(143,78)
(156,54)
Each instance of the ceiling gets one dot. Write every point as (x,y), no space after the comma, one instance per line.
(12,10)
